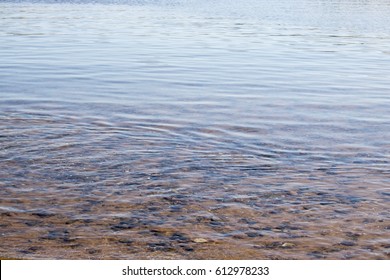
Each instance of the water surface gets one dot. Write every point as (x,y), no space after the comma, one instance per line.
(131,129)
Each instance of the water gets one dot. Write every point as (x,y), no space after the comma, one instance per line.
(130,129)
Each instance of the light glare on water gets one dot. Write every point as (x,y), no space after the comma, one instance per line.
(132,129)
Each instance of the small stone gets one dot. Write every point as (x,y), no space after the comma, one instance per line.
(124,225)
(288,245)
(239,236)
(160,246)
(253,234)
(43,214)
(179,237)
(200,240)
(125,241)
(175,208)
(353,235)
(32,223)
(347,243)
(293,193)
(93,251)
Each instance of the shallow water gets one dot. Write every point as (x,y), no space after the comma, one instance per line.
(130,129)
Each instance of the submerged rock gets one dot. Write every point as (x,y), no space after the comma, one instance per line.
(200,240)
(288,245)
(347,243)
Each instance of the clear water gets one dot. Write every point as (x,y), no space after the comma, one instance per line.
(130,129)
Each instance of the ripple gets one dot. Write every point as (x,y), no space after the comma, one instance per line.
(179,130)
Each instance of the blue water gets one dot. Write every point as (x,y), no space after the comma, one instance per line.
(178,113)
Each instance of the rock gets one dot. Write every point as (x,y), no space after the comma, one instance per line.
(123,225)
(179,237)
(160,246)
(239,236)
(175,208)
(200,240)
(293,193)
(43,214)
(347,243)
(125,241)
(288,245)
(253,234)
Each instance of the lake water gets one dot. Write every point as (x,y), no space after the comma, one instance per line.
(194,129)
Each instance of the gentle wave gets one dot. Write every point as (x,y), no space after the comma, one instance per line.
(130,129)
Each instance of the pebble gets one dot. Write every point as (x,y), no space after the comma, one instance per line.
(179,237)
(293,193)
(347,243)
(123,225)
(175,208)
(93,251)
(253,234)
(200,240)
(160,246)
(125,241)
(288,245)
(43,214)
(239,236)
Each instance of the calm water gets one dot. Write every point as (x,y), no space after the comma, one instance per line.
(194,129)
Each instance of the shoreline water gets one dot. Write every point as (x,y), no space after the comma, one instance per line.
(197,130)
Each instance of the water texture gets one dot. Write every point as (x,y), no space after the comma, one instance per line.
(192,129)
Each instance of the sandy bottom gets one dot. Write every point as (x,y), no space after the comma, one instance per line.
(174,226)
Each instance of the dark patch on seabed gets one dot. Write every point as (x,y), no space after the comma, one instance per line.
(136,223)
